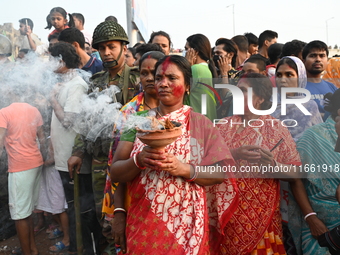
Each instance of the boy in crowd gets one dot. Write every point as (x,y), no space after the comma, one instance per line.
(293,48)
(255,64)
(242,50)
(20,125)
(266,39)
(253,42)
(76,38)
(52,39)
(66,102)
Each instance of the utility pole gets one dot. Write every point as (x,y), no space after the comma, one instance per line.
(129,22)
(233,5)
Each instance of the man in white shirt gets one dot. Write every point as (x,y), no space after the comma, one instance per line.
(27,40)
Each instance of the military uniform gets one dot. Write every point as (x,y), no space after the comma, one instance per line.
(129,87)
(127,80)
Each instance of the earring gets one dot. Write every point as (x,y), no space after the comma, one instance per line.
(188,92)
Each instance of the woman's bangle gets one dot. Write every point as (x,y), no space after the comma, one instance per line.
(136,161)
(223,76)
(309,214)
(192,179)
(119,210)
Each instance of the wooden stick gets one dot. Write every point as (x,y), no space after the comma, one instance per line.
(79,237)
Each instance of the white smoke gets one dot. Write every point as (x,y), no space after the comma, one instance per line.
(99,114)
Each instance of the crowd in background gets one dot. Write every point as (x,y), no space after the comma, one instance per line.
(136,199)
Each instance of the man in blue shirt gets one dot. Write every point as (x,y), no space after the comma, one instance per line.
(315,57)
(76,38)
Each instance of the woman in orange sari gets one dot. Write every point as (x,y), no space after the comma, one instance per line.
(174,211)
(255,227)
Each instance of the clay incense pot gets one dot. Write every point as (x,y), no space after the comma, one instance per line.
(159,139)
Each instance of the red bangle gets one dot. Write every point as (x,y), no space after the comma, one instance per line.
(136,161)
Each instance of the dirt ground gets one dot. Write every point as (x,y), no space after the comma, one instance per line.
(42,241)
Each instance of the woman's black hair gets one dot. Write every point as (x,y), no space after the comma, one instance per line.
(157,55)
(162,33)
(144,48)
(181,62)
(67,53)
(262,87)
(137,45)
(201,44)
(332,103)
(48,20)
(288,61)
(63,13)
(133,51)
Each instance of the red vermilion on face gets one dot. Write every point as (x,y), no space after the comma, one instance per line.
(149,57)
(177,90)
(166,64)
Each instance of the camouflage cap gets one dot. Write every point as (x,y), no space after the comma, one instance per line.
(109,31)
(5,46)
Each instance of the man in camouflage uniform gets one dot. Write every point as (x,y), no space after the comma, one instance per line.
(110,39)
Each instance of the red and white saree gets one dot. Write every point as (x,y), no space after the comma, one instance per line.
(169,215)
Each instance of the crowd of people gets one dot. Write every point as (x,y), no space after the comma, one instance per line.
(136,199)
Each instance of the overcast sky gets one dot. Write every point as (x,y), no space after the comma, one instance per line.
(292,19)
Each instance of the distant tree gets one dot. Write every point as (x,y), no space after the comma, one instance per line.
(336,47)
(330,47)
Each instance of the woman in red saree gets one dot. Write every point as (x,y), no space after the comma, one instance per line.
(255,227)
(172,212)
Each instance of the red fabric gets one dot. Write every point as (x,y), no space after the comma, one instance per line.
(56,31)
(271,243)
(272,79)
(258,208)
(21,122)
(269,66)
(169,215)
(147,232)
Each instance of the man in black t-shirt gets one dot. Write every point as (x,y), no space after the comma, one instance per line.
(266,39)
